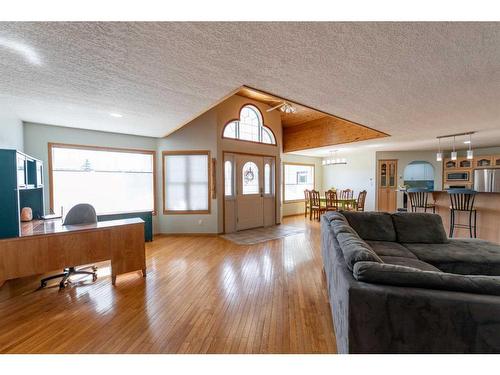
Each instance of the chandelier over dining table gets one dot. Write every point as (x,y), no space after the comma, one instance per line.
(333,159)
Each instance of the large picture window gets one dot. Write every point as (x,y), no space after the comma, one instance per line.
(186,182)
(110,179)
(297,178)
(249,127)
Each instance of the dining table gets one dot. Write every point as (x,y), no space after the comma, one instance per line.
(343,203)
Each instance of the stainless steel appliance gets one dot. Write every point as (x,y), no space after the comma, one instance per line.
(487,180)
(457,176)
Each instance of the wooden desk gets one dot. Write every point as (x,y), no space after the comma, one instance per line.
(47,245)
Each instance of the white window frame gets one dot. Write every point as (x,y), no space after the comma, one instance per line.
(284,180)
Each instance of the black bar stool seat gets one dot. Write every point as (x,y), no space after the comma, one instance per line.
(418,199)
(462,200)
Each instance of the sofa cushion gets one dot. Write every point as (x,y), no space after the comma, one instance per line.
(390,274)
(342,227)
(419,227)
(372,226)
(355,249)
(410,262)
(391,249)
(332,216)
(460,256)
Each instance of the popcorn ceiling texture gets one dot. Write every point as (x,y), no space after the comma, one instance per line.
(412,80)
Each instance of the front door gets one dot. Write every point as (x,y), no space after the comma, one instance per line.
(249,192)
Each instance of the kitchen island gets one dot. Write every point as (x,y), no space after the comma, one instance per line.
(488,215)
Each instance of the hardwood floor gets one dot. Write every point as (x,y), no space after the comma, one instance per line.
(201,295)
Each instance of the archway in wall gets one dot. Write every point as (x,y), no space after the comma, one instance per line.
(419,174)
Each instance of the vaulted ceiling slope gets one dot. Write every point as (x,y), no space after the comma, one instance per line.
(411,80)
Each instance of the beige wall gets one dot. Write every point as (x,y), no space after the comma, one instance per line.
(296,208)
(358,174)
(199,134)
(11,133)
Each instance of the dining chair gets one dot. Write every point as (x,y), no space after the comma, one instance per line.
(307,203)
(418,199)
(332,203)
(316,208)
(360,203)
(345,196)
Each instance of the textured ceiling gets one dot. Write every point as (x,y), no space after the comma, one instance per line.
(412,80)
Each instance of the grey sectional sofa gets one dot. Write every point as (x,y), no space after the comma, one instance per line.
(397,284)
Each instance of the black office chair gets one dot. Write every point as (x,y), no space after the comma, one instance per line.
(418,199)
(79,214)
(463,200)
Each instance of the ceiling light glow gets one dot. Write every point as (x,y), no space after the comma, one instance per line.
(22,49)
(117,115)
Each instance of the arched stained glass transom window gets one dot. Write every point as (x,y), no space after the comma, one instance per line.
(249,127)
(250,178)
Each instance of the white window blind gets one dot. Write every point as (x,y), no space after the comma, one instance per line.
(186,182)
(108,179)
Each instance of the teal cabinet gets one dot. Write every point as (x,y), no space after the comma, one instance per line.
(18,188)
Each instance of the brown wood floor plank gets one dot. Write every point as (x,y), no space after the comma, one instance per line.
(201,295)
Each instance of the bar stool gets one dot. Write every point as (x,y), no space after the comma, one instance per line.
(463,200)
(418,199)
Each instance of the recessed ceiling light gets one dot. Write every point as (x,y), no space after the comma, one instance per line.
(466,142)
(115,115)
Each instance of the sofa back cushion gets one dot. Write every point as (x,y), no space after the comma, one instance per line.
(419,228)
(390,274)
(372,226)
(342,227)
(332,216)
(355,249)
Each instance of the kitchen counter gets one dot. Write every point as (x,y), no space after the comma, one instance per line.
(488,215)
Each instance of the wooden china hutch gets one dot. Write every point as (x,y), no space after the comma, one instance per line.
(387,183)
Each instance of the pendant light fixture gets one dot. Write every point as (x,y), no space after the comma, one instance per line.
(334,160)
(470,153)
(453,153)
(439,155)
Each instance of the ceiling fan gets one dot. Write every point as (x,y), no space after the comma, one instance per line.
(284,107)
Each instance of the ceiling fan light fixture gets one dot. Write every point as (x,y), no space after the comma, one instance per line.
(287,108)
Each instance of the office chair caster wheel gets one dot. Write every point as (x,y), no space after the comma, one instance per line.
(62,285)
(94,268)
(43,284)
